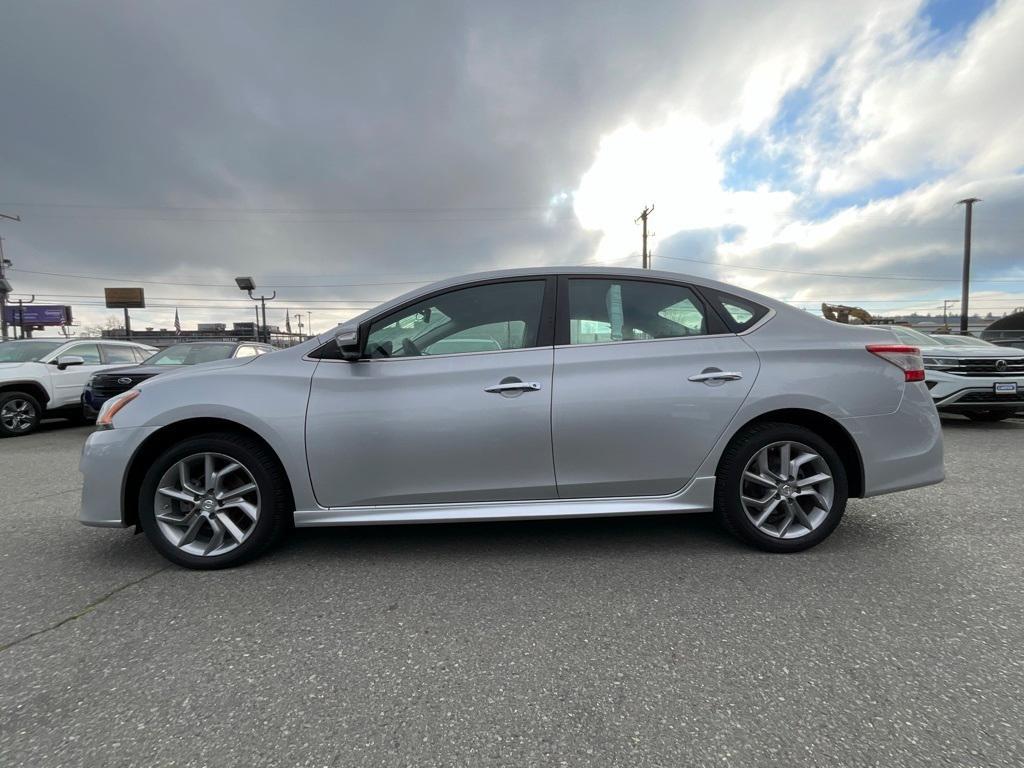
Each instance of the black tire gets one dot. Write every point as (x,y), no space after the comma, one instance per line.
(988,415)
(275,514)
(729,480)
(20,400)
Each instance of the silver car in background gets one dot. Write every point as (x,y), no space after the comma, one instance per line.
(584,392)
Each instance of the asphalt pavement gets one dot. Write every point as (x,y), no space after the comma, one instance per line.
(623,642)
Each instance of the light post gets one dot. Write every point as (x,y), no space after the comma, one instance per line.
(968,203)
(248,285)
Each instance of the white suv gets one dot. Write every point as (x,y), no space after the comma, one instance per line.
(982,382)
(46,376)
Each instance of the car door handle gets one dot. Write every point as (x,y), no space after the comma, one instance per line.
(514,386)
(716,376)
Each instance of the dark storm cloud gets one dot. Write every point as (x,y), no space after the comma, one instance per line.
(309,106)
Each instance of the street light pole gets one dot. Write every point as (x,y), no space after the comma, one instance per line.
(968,203)
(248,285)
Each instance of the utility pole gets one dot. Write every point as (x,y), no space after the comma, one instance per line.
(309,322)
(3,281)
(968,203)
(648,210)
(298,318)
(21,316)
(945,313)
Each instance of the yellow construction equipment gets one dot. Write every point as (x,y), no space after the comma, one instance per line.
(842,314)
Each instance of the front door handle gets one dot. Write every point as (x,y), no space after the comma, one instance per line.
(514,386)
(716,376)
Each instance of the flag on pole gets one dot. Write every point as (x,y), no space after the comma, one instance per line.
(177,323)
(287,322)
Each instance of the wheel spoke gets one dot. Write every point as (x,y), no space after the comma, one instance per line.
(794,507)
(217,539)
(174,493)
(249,509)
(818,498)
(209,476)
(191,532)
(766,513)
(786,522)
(799,461)
(223,472)
(236,493)
(748,475)
(813,480)
(229,525)
(184,481)
(762,465)
(784,452)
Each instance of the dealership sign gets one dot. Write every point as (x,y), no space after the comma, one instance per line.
(38,314)
(124,298)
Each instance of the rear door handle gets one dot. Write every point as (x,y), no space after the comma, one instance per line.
(716,376)
(514,386)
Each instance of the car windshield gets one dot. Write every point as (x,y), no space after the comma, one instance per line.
(962,341)
(191,354)
(915,338)
(26,351)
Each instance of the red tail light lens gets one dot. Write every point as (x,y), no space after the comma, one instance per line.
(906,358)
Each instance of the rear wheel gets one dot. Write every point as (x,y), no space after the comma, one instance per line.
(214,501)
(988,415)
(19,414)
(780,487)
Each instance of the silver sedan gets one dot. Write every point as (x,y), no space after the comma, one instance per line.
(535,393)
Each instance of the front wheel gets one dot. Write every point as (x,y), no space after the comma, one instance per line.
(214,501)
(19,414)
(780,487)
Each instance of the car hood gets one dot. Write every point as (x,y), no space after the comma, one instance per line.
(201,369)
(140,370)
(975,353)
(6,367)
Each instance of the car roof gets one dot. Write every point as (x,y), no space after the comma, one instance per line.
(622,272)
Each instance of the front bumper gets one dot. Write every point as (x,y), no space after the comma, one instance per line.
(104,465)
(903,449)
(973,393)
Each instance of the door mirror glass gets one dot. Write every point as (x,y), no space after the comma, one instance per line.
(348,344)
(65,360)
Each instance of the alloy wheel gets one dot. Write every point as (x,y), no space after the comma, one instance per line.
(17,415)
(207,504)
(787,490)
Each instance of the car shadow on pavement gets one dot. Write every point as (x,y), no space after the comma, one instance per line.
(963,423)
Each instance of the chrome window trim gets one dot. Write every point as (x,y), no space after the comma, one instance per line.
(692,337)
(423,357)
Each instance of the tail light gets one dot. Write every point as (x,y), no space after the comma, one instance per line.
(906,358)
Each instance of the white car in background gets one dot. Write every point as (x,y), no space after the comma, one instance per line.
(45,377)
(981,381)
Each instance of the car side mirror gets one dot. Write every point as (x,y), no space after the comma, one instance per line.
(65,360)
(348,344)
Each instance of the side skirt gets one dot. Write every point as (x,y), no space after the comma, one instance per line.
(697,496)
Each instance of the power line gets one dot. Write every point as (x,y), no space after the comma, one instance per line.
(839,274)
(215,285)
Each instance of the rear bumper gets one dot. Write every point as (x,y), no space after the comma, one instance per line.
(903,449)
(104,464)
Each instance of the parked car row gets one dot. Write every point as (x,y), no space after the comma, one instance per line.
(41,378)
(523,394)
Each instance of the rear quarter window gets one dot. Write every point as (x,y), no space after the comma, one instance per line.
(739,314)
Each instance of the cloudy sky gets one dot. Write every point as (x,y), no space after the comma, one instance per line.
(344,152)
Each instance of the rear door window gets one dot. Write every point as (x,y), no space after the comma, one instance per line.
(608,310)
